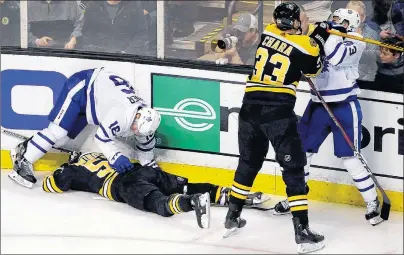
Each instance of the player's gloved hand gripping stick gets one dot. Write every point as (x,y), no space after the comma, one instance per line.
(386,201)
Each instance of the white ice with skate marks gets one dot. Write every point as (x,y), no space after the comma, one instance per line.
(37,222)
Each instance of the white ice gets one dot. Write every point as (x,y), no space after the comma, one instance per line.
(33,221)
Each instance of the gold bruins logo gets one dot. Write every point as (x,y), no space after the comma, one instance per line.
(5,21)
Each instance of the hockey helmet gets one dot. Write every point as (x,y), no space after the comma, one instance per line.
(285,15)
(146,121)
(347,15)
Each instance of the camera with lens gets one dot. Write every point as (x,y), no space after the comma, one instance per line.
(228,42)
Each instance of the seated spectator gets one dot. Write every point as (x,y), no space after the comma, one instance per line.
(243,40)
(368,61)
(115,26)
(10,23)
(55,24)
(390,75)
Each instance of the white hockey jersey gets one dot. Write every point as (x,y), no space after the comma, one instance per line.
(337,81)
(112,105)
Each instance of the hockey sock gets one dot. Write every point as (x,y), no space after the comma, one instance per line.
(43,141)
(238,194)
(296,191)
(178,203)
(49,185)
(361,177)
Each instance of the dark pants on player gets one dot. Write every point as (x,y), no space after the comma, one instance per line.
(150,188)
(259,125)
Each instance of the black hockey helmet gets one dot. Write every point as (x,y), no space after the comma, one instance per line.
(285,14)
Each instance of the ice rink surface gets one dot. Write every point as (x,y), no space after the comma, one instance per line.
(33,221)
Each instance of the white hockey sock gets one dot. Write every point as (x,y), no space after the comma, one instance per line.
(309,155)
(361,177)
(43,141)
(62,142)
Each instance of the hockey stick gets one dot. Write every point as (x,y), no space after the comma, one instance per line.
(23,137)
(385,212)
(367,40)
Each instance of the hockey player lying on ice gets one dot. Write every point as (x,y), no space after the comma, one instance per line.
(146,188)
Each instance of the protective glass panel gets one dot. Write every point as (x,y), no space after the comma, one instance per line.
(111,26)
(10,23)
(193,29)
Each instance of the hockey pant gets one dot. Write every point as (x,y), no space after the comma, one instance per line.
(259,125)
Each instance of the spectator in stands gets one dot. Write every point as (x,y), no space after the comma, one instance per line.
(183,15)
(150,12)
(10,23)
(368,62)
(390,75)
(115,26)
(55,24)
(246,29)
(397,18)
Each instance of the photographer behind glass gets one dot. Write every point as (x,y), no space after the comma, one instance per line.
(239,42)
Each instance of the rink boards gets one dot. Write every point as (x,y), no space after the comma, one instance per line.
(198,134)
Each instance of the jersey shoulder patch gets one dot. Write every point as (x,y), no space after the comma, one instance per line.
(313,42)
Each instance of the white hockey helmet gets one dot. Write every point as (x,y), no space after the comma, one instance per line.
(351,16)
(147,121)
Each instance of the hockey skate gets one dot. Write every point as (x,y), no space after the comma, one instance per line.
(307,240)
(254,200)
(373,213)
(201,205)
(233,221)
(282,208)
(23,171)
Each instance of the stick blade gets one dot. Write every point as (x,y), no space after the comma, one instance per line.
(385,213)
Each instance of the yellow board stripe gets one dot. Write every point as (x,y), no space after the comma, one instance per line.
(234,194)
(277,90)
(109,193)
(44,185)
(299,208)
(270,184)
(241,186)
(294,198)
(53,184)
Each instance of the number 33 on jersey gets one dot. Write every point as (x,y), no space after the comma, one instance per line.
(279,62)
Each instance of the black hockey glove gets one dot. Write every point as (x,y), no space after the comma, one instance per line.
(320,35)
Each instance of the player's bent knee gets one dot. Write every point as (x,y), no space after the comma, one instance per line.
(291,154)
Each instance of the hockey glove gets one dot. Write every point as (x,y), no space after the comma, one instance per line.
(320,35)
(121,163)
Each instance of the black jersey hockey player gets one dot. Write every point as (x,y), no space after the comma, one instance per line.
(145,188)
(267,115)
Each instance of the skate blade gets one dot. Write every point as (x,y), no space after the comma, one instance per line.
(309,247)
(230,232)
(18,179)
(376,221)
(280,213)
(204,200)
